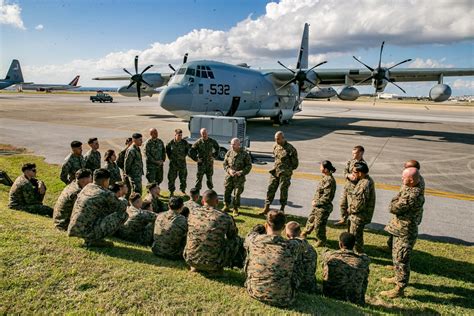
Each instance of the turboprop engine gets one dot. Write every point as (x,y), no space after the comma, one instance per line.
(440,92)
(348,93)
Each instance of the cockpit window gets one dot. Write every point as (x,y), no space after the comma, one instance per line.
(190,72)
(204,72)
(181,71)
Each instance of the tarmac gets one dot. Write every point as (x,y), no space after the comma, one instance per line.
(440,136)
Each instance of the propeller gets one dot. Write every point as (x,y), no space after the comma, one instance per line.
(380,73)
(137,78)
(300,76)
(185,60)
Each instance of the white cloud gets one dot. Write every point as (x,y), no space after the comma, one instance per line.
(337,27)
(39,27)
(464,84)
(429,63)
(10,14)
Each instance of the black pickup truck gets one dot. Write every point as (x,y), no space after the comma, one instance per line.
(101,97)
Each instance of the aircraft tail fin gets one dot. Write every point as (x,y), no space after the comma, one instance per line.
(75,81)
(14,74)
(302,62)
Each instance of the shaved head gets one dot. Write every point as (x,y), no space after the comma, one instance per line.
(153,133)
(411,176)
(235,143)
(203,133)
(279,138)
(412,164)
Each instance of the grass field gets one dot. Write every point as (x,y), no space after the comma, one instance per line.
(44,271)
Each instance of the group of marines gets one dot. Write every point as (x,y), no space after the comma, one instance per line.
(102,202)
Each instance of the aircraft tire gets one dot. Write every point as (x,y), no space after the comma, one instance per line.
(278,119)
(221,153)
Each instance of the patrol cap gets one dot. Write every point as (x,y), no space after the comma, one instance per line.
(100,174)
(28,166)
(361,167)
(76,144)
(83,173)
(134,197)
(136,135)
(151,185)
(91,140)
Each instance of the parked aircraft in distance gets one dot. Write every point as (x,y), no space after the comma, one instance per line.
(50,87)
(13,76)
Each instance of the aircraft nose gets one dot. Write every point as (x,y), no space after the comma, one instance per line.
(176,99)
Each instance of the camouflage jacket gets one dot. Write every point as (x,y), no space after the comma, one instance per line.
(114,172)
(286,159)
(177,152)
(170,234)
(325,192)
(157,204)
(64,204)
(92,203)
(92,160)
(133,228)
(349,166)
(238,161)
(121,158)
(24,193)
(362,201)
(133,162)
(206,150)
(271,267)
(154,152)
(189,206)
(421,186)
(307,267)
(71,164)
(345,275)
(407,207)
(208,232)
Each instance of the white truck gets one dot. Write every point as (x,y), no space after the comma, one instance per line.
(220,128)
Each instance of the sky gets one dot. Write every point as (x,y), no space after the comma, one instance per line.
(56,40)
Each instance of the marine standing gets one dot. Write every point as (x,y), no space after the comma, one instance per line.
(203,151)
(134,164)
(155,156)
(177,149)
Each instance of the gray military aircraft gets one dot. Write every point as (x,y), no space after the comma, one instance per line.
(49,87)
(13,76)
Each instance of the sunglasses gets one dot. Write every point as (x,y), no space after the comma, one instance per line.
(34,170)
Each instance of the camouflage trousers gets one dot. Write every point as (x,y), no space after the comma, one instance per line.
(39,209)
(134,184)
(106,226)
(233,255)
(144,237)
(401,255)
(154,173)
(233,185)
(204,169)
(318,220)
(61,218)
(283,181)
(344,203)
(175,171)
(357,229)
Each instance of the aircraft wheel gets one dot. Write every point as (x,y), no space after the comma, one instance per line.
(221,154)
(278,119)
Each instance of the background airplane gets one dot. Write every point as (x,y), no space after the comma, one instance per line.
(50,87)
(13,76)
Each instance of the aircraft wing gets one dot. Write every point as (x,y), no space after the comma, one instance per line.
(112,78)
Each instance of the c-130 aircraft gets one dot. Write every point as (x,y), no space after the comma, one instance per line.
(216,88)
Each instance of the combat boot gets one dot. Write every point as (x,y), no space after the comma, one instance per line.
(282,208)
(265,210)
(226,208)
(393,293)
(236,212)
(340,223)
(392,280)
(171,193)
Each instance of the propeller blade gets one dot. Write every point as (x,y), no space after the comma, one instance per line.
(146,82)
(127,71)
(370,68)
(307,80)
(172,68)
(300,56)
(396,85)
(136,64)
(402,62)
(146,69)
(131,84)
(380,57)
(139,91)
(286,67)
(185,58)
(366,79)
(322,63)
(287,83)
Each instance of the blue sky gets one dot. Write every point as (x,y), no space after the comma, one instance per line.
(55,40)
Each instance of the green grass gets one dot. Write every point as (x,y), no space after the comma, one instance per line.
(44,271)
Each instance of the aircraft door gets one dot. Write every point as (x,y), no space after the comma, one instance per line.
(234,106)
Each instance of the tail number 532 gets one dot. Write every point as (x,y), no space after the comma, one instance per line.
(219,89)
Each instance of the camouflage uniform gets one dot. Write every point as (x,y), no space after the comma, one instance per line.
(114,172)
(97,213)
(92,160)
(5,179)
(345,275)
(158,205)
(323,199)
(348,186)
(307,268)
(238,161)
(139,226)
(204,150)
(407,207)
(71,165)
(121,164)
(212,242)
(271,267)
(170,235)
(177,152)
(154,152)
(64,205)
(134,168)
(24,195)
(189,206)
(286,160)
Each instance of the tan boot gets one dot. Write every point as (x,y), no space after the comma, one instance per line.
(226,208)
(236,212)
(392,280)
(342,222)
(320,243)
(265,210)
(304,234)
(393,293)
